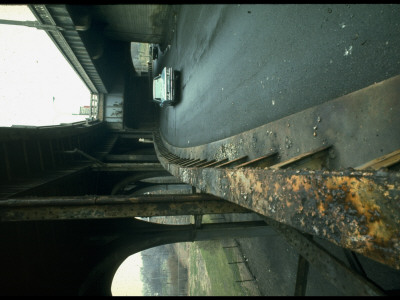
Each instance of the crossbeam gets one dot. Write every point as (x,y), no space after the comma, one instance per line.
(355,210)
(130,157)
(101,207)
(128,167)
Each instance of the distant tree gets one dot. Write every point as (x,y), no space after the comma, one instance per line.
(159,272)
(152,273)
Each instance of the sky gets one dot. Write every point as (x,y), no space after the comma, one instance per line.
(127,280)
(32,72)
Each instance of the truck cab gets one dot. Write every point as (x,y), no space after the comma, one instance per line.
(164,87)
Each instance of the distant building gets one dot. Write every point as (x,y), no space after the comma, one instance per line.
(84,110)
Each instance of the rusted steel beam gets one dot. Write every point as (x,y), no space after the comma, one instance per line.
(353,209)
(101,207)
(233,162)
(171,157)
(382,162)
(261,162)
(189,162)
(129,167)
(163,180)
(179,160)
(131,157)
(193,163)
(198,163)
(215,164)
(205,163)
(300,157)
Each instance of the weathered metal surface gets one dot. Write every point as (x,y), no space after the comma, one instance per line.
(215,164)
(92,207)
(261,162)
(162,180)
(187,162)
(301,277)
(356,210)
(315,164)
(354,262)
(353,209)
(130,157)
(128,167)
(233,162)
(89,157)
(343,278)
(195,162)
(205,163)
(382,162)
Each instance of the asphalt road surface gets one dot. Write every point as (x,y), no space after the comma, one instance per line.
(247,65)
(243,66)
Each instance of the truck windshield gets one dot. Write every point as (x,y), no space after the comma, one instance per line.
(158,88)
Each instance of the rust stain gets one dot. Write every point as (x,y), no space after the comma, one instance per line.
(258,187)
(321,208)
(296,184)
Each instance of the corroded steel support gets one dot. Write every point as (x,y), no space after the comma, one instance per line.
(100,207)
(129,167)
(130,157)
(353,209)
(76,150)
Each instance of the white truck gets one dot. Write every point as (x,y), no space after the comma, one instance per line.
(164,85)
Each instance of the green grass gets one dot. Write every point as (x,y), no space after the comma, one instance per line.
(223,276)
(195,288)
